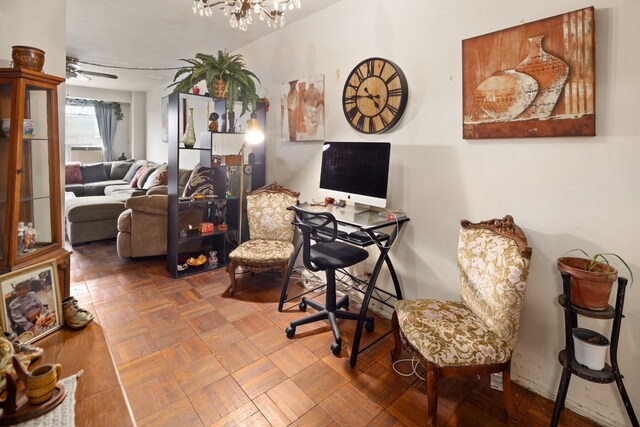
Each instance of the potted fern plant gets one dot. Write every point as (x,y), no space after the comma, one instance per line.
(225,75)
(591,277)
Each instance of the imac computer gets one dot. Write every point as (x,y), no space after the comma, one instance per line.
(356,172)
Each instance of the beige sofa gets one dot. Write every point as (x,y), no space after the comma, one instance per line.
(142,227)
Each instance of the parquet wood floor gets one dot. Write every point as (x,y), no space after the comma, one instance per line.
(189,356)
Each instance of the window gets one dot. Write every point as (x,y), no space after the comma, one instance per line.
(81,126)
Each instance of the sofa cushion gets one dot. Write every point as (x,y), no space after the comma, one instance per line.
(183,177)
(119,169)
(149,204)
(95,208)
(144,176)
(93,173)
(122,189)
(72,173)
(77,189)
(132,172)
(162,178)
(136,177)
(150,182)
(200,182)
(97,188)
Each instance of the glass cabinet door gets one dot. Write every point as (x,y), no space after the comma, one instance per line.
(34,227)
(5,120)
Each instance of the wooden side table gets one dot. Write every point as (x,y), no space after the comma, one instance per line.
(610,373)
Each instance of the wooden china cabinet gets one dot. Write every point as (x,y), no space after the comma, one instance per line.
(30,196)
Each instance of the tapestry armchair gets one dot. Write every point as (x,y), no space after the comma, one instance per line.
(270,233)
(477,334)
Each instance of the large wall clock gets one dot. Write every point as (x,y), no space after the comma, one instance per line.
(375,96)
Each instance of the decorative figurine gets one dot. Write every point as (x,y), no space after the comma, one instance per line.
(122,157)
(21,230)
(29,240)
(213,122)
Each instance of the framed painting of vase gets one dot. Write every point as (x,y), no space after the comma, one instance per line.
(302,109)
(533,80)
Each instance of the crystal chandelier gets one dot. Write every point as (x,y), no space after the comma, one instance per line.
(240,12)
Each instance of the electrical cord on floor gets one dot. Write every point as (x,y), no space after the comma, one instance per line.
(415,363)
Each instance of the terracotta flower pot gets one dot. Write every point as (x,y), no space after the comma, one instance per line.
(589,289)
(219,89)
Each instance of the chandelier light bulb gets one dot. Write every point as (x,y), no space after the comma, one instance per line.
(241,12)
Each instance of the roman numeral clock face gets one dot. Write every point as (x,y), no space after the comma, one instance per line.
(375,96)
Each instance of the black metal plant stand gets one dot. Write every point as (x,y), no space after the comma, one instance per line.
(610,373)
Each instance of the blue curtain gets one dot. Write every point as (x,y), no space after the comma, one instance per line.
(107,124)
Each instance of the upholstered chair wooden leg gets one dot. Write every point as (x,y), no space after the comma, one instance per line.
(397,349)
(506,391)
(432,379)
(285,268)
(231,269)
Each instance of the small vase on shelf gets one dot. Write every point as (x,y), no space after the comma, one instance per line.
(189,137)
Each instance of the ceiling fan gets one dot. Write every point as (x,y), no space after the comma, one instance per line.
(75,71)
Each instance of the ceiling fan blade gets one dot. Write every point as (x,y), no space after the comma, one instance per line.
(81,75)
(97,74)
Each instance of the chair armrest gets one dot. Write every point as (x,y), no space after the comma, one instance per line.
(158,190)
(154,204)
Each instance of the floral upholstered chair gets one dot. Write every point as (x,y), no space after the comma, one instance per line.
(477,334)
(270,233)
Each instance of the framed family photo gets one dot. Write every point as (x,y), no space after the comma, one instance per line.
(31,307)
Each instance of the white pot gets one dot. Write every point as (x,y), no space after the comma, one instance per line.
(590,348)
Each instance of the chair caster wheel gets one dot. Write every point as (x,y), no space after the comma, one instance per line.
(369,326)
(291,331)
(336,348)
(302,306)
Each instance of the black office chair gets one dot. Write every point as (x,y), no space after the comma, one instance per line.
(327,255)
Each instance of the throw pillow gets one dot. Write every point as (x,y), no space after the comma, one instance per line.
(150,168)
(132,172)
(152,178)
(119,169)
(93,173)
(200,182)
(136,177)
(162,178)
(72,173)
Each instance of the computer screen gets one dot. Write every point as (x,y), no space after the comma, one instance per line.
(356,171)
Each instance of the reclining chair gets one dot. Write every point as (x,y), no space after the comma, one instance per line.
(326,255)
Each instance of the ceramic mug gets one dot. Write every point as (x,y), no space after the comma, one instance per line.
(41,383)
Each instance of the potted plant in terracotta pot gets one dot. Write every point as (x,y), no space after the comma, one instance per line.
(225,75)
(591,278)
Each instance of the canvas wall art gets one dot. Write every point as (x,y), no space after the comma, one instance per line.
(533,80)
(302,109)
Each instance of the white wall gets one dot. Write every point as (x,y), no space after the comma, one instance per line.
(564,192)
(46,30)
(130,137)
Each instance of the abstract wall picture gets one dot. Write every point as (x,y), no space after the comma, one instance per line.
(302,109)
(533,80)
